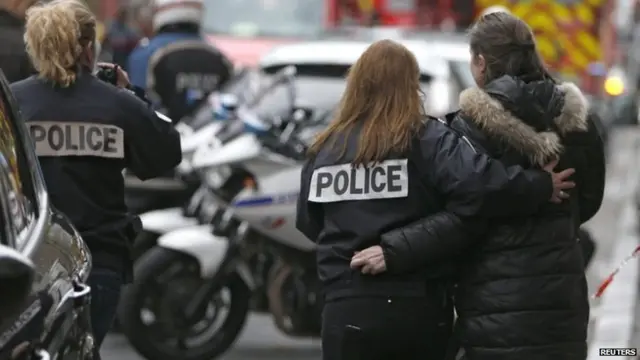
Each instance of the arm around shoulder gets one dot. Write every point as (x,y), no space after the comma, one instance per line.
(152,144)
(473,183)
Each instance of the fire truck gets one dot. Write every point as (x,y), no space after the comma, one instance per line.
(576,38)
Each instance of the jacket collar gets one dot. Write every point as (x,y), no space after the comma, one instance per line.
(493,119)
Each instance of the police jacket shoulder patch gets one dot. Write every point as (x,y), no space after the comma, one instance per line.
(52,138)
(385,180)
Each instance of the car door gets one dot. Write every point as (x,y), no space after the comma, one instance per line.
(46,237)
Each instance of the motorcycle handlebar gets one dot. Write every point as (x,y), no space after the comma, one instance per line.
(285,76)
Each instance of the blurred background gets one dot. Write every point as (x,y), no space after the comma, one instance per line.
(586,41)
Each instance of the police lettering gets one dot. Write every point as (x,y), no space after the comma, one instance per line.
(388,179)
(196,81)
(77,139)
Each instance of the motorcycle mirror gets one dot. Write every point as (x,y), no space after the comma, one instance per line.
(276,121)
(17,273)
(290,71)
(299,115)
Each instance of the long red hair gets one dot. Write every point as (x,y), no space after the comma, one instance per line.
(382,94)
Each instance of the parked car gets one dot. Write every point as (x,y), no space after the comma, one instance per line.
(44,264)
(453,48)
(330,58)
(441,50)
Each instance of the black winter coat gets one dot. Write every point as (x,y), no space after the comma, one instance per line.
(521,292)
(14,61)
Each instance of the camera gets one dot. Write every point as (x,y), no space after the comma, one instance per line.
(108,75)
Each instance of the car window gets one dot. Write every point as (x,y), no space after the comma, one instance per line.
(252,18)
(22,202)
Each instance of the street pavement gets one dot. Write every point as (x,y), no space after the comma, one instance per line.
(616,226)
(262,341)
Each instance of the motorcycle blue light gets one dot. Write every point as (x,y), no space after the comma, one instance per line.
(253,129)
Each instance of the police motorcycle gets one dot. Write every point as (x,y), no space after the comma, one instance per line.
(199,274)
(174,190)
(171,213)
(205,124)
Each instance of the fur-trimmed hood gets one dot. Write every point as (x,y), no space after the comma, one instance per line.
(527,116)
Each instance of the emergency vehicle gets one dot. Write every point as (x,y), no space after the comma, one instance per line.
(576,37)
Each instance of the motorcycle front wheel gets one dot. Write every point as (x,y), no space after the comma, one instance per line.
(152,309)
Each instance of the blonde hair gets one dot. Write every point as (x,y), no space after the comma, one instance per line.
(55,35)
(383,94)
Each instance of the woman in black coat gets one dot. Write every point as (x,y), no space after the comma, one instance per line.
(521,291)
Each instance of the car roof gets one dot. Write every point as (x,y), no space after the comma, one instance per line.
(346,52)
(450,51)
(451,46)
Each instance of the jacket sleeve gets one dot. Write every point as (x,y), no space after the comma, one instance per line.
(309,215)
(593,172)
(152,145)
(439,236)
(16,66)
(474,187)
(473,184)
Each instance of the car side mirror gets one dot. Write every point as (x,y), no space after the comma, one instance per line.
(17,274)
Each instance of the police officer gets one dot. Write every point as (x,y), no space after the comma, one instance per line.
(177,66)
(85,133)
(382,164)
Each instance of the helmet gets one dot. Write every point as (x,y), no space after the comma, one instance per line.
(494,9)
(167,12)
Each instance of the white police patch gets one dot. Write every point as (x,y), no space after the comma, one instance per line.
(77,139)
(386,180)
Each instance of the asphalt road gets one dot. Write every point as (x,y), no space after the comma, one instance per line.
(261,341)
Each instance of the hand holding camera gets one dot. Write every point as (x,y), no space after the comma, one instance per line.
(113,74)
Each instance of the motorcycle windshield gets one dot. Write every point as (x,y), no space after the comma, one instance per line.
(245,86)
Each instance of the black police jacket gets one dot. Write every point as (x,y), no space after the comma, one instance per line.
(183,72)
(346,209)
(14,61)
(521,291)
(84,136)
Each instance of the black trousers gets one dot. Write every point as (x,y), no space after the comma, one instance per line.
(386,329)
(105,294)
